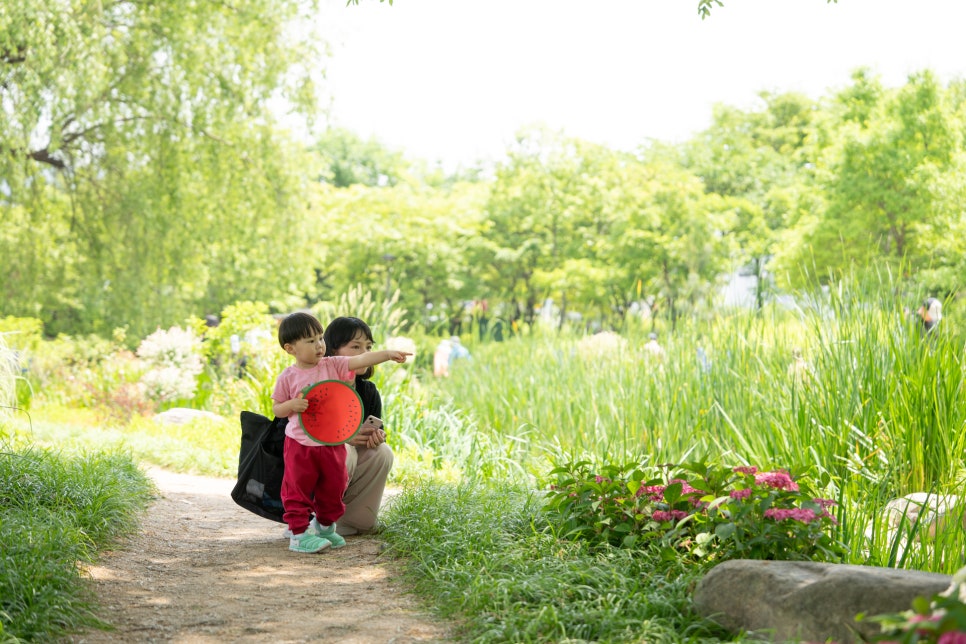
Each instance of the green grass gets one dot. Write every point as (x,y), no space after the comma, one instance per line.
(203,446)
(487,561)
(57,512)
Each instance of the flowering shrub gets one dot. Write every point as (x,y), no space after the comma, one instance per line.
(708,512)
(402,343)
(941,620)
(246,332)
(603,344)
(174,363)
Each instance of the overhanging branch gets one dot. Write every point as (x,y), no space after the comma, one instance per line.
(44,156)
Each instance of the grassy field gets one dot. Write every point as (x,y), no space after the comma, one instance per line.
(875,411)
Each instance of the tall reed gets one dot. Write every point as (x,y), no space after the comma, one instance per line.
(873,409)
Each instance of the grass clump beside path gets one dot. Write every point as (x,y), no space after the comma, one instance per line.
(487,561)
(57,512)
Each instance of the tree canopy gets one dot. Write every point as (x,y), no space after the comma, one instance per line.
(704,6)
(141,165)
(146,178)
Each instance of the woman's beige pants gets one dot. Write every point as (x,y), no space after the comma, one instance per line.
(368,470)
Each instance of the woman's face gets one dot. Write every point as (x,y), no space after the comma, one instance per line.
(358,345)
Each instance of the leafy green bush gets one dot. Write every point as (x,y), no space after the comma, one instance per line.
(92,373)
(940,620)
(244,331)
(708,512)
(22,334)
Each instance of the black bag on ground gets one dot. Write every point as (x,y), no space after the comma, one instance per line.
(260,466)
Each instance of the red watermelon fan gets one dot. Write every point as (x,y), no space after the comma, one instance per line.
(334,414)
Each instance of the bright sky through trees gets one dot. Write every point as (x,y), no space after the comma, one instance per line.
(453,80)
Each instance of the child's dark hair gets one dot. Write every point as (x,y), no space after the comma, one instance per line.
(298,326)
(341,331)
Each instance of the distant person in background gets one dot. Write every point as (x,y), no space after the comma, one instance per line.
(480,313)
(799,371)
(704,362)
(448,352)
(211,322)
(931,312)
(457,351)
(441,359)
(653,350)
(245,347)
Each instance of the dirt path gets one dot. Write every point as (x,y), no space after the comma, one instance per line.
(203,570)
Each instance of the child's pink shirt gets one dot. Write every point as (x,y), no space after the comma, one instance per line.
(293,380)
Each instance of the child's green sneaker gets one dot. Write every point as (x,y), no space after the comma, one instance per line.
(329,534)
(308,542)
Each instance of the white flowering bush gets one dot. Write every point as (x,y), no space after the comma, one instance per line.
(402,343)
(173,361)
(600,345)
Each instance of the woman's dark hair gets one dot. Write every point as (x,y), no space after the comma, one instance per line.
(296,327)
(341,332)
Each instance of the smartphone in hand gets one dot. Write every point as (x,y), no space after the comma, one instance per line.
(372,421)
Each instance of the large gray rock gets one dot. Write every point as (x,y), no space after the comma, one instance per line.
(184,415)
(791,601)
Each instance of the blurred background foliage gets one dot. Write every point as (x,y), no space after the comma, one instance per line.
(149,176)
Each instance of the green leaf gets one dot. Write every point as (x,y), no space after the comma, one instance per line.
(725,530)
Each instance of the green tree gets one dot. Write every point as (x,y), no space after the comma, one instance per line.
(673,239)
(762,161)
(346,160)
(704,6)
(408,238)
(523,217)
(140,161)
(548,218)
(895,152)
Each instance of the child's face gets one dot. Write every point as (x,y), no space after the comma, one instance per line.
(307,351)
(358,345)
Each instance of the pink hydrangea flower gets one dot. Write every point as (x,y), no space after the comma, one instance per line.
(654,492)
(668,515)
(745,469)
(692,495)
(796,514)
(779,479)
(685,487)
(741,494)
(952,637)
(826,504)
